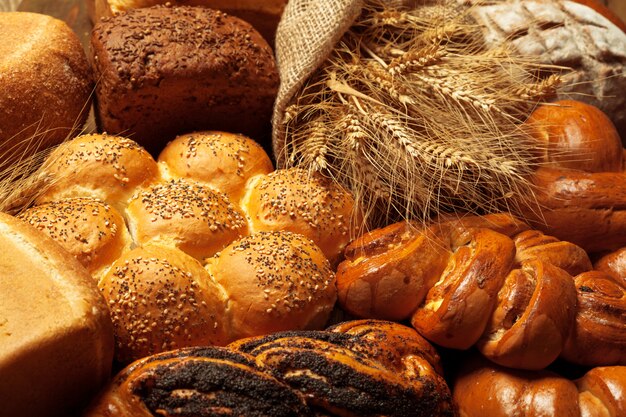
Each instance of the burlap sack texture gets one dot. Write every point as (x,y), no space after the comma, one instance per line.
(310,29)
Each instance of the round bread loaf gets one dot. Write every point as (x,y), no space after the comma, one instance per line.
(56,339)
(45,84)
(91,230)
(162,299)
(274,281)
(186,215)
(223,161)
(165,71)
(109,168)
(262,14)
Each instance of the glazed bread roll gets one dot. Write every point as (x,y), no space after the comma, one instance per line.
(296,373)
(56,343)
(186,215)
(580,186)
(484,389)
(109,168)
(89,229)
(162,299)
(223,161)
(262,14)
(165,71)
(274,281)
(45,84)
(507,290)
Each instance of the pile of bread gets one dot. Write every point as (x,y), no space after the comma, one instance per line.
(166,268)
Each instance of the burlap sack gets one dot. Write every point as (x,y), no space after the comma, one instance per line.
(306,35)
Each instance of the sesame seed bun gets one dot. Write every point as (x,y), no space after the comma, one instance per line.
(186,215)
(223,161)
(92,231)
(100,166)
(161,299)
(302,202)
(274,281)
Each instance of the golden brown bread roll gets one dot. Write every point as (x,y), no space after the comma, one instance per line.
(262,14)
(162,299)
(109,168)
(613,263)
(599,334)
(45,84)
(221,160)
(484,389)
(56,340)
(165,71)
(89,229)
(463,283)
(185,215)
(580,186)
(302,202)
(274,281)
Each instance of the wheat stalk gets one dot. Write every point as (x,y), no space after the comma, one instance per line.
(419,117)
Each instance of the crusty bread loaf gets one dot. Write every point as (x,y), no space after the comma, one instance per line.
(264,15)
(56,340)
(45,84)
(165,71)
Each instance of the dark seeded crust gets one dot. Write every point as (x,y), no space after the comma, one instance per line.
(198,382)
(170,70)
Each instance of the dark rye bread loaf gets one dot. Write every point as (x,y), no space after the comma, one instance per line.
(163,71)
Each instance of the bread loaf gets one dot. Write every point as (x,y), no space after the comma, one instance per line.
(363,368)
(45,84)
(56,340)
(165,71)
(187,265)
(509,292)
(262,15)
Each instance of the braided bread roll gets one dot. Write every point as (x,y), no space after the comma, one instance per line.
(461,283)
(202,247)
(485,389)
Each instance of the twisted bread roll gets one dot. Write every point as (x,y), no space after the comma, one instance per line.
(581,184)
(296,373)
(484,389)
(197,382)
(464,284)
(188,236)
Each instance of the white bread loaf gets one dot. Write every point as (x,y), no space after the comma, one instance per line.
(56,337)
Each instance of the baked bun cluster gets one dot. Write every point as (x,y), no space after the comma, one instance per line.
(521,297)
(165,70)
(360,368)
(45,84)
(203,246)
(485,389)
(580,185)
